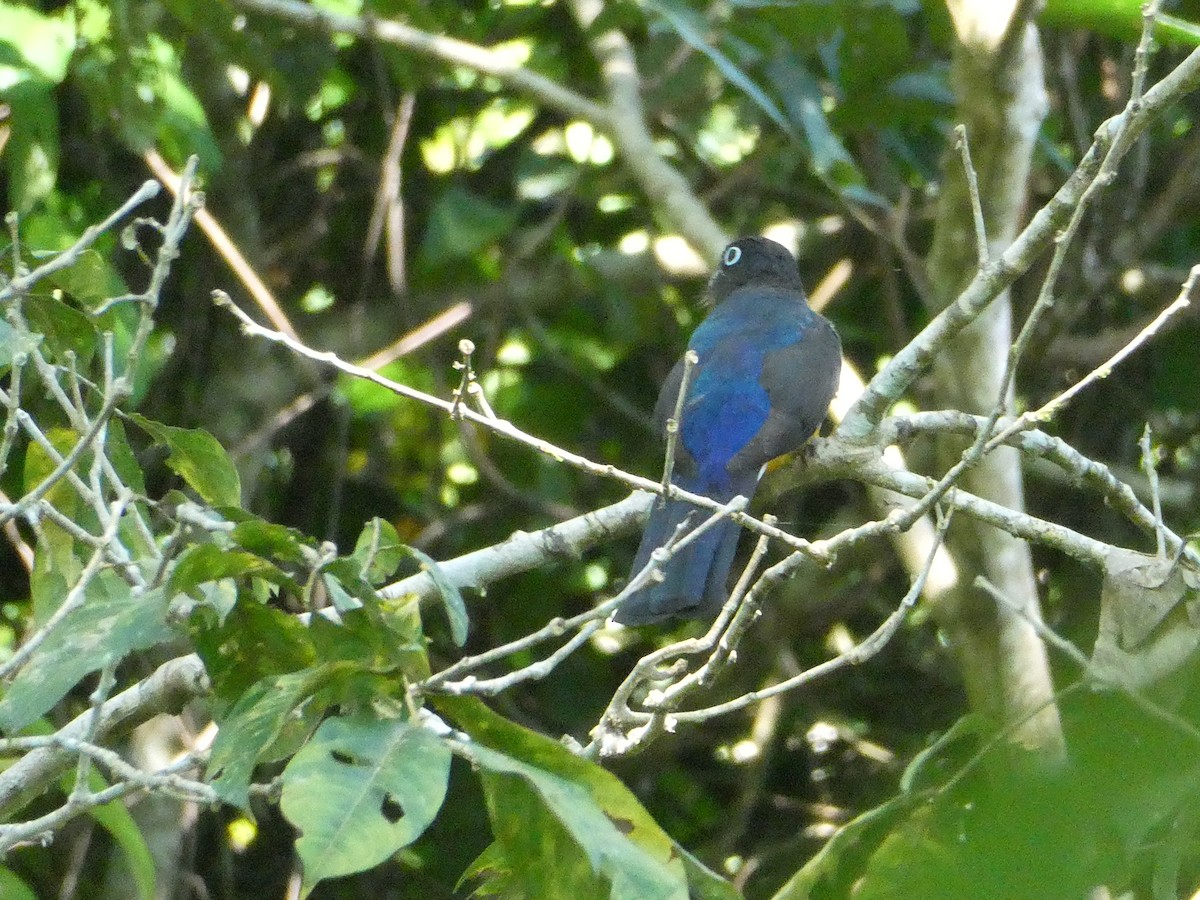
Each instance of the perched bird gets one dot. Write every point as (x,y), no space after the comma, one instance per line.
(768,369)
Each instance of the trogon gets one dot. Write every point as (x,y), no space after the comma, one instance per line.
(768,369)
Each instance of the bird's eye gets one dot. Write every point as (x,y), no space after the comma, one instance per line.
(732,255)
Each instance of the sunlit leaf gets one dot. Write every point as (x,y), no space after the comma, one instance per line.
(452,599)
(199,459)
(691,28)
(112,622)
(31,152)
(568,827)
(34,45)
(252,725)
(361,789)
(461,224)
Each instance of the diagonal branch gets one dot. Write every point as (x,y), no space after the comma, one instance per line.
(447,49)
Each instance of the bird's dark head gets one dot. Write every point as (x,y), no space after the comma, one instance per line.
(757,261)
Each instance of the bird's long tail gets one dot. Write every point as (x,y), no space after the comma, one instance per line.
(694,579)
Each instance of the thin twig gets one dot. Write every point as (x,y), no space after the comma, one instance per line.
(74,600)
(388,208)
(500,426)
(557,627)
(226,249)
(964,148)
(1050,408)
(21,284)
(675,422)
(856,655)
(890,383)
(427,331)
(1151,469)
(447,49)
(1115,143)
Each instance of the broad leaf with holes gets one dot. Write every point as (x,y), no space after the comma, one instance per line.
(360,790)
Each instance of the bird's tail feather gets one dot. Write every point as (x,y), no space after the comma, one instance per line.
(694,578)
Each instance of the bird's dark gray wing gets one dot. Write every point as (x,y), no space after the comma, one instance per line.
(800,380)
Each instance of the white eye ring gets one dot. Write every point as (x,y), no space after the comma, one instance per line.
(732,255)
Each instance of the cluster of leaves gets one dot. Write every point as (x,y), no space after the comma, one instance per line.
(367,767)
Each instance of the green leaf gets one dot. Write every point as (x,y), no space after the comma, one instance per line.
(35,50)
(703,882)
(456,608)
(32,151)
(120,454)
(116,819)
(837,863)
(1118,18)
(181,124)
(252,643)
(111,623)
(802,99)
(13,888)
(461,224)
(58,558)
(378,550)
(269,539)
(568,827)
(90,280)
(252,726)
(33,45)
(207,562)
(360,790)
(347,588)
(492,874)
(199,459)
(547,860)
(383,642)
(339,597)
(63,327)
(693,29)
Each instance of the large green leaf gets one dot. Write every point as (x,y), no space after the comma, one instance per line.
(268,539)
(452,599)
(461,224)
(33,45)
(253,642)
(360,790)
(116,819)
(111,623)
(803,101)
(199,459)
(568,828)
(181,123)
(12,887)
(1118,18)
(207,562)
(253,724)
(32,152)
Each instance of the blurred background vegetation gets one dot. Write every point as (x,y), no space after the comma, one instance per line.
(373,189)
